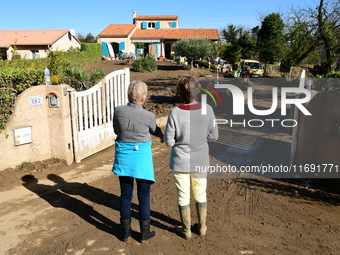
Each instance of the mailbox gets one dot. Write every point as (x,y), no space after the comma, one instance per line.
(53,99)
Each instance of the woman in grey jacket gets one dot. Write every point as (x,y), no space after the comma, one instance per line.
(133,157)
(187,132)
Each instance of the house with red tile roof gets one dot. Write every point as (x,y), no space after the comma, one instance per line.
(32,44)
(157,33)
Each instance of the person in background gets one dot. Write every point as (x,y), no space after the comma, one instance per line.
(187,132)
(133,157)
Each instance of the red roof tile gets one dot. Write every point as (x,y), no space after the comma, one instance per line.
(157,17)
(117,30)
(30,37)
(201,33)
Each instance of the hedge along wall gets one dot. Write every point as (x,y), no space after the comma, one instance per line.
(13,81)
(18,75)
(92,50)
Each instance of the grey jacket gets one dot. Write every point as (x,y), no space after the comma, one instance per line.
(133,124)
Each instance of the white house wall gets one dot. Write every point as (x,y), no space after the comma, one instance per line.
(65,43)
(25,51)
(62,44)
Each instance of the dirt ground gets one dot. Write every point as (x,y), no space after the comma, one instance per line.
(51,208)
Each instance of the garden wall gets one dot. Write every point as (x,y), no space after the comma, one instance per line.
(36,131)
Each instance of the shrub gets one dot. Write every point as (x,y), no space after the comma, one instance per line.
(97,74)
(13,81)
(330,83)
(81,80)
(330,75)
(145,65)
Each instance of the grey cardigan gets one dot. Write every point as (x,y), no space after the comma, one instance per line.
(187,131)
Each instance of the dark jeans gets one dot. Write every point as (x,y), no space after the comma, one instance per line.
(143,192)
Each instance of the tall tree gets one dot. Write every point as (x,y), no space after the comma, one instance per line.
(231,33)
(89,38)
(248,45)
(328,24)
(193,49)
(231,52)
(314,28)
(270,39)
(300,42)
(241,43)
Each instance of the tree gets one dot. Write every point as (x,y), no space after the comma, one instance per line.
(89,38)
(318,28)
(328,24)
(193,49)
(231,52)
(241,43)
(248,45)
(300,42)
(231,33)
(271,38)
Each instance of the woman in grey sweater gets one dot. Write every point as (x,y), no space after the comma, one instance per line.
(187,132)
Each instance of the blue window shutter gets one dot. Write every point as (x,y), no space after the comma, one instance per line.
(158,25)
(144,25)
(105,51)
(121,46)
(174,24)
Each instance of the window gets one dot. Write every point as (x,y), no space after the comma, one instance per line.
(151,25)
(35,54)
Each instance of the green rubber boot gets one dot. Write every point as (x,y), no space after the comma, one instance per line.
(202,218)
(185,230)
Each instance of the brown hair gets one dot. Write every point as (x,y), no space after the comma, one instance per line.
(188,88)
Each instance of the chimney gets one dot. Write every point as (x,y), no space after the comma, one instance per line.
(134,14)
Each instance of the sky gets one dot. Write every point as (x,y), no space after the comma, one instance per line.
(94,16)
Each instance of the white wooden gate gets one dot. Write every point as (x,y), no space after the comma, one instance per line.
(92,113)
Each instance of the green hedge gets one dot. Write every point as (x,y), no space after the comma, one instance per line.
(20,74)
(13,81)
(20,79)
(38,63)
(61,62)
(92,50)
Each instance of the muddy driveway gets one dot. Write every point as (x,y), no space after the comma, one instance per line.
(60,209)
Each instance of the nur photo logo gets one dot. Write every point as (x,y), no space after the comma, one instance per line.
(208,89)
(282,98)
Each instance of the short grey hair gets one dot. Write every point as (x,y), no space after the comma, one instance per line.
(137,91)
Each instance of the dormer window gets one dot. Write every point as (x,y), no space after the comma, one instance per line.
(151,25)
